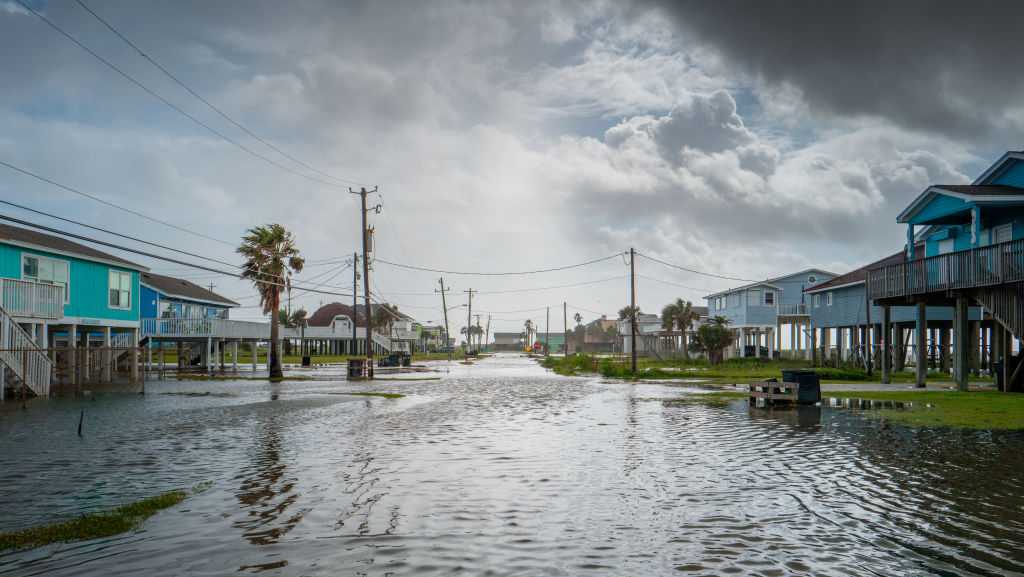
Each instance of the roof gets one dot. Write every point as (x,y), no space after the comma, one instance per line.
(856,276)
(324,315)
(981,190)
(38,240)
(964,192)
(183,289)
(768,282)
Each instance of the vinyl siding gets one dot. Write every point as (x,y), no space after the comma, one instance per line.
(89,284)
(849,309)
(1012,175)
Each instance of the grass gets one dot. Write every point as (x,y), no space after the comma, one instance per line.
(989,410)
(92,526)
(730,371)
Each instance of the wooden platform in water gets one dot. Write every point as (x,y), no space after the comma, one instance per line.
(775,392)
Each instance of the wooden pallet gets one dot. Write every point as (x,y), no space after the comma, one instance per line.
(775,392)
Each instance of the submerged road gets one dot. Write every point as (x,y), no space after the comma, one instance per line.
(502,468)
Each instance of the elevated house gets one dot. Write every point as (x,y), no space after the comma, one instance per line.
(58,298)
(758,311)
(600,336)
(844,329)
(973,254)
(335,329)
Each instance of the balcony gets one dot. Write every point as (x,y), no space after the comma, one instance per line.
(30,299)
(792,310)
(202,328)
(985,266)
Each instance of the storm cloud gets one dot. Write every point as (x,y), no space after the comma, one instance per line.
(939,65)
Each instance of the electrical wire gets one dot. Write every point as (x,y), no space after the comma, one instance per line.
(702,273)
(110,204)
(188,89)
(152,255)
(168,103)
(538,271)
(704,290)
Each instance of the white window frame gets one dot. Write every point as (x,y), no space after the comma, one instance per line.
(947,245)
(110,277)
(39,257)
(828,299)
(764,298)
(817,300)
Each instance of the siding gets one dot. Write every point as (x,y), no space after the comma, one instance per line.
(89,284)
(848,309)
(1012,175)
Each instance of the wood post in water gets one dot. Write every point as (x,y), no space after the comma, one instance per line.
(885,341)
(921,370)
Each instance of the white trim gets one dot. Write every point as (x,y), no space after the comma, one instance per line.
(94,322)
(29,245)
(828,299)
(993,235)
(834,287)
(131,283)
(936,190)
(21,273)
(997,165)
(742,288)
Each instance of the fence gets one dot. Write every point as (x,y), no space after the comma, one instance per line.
(31,299)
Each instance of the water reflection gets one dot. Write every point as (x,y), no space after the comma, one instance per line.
(267,492)
(800,417)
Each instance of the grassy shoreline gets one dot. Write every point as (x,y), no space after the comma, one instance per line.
(729,372)
(92,526)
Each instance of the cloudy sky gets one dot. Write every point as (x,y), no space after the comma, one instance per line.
(746,139)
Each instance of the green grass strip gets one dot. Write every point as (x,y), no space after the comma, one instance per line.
(983,410)
(383,395)
(92,526)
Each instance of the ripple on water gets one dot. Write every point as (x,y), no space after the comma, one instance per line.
(501,468)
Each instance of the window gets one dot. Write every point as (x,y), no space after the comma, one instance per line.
(769,298)
(754,297)
(946,246)
(45,270)
(817,300)
(1002,233)
(120,290)
(828,299)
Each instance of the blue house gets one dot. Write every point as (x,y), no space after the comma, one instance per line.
(57,293)
(167,297)
(759,310)
(843,328)
(965,246)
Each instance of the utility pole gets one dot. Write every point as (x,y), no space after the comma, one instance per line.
(444,306)
(478,334)
(355,291)
(565,328)
(632,306)
(366,274)
(469,320)
(547,333)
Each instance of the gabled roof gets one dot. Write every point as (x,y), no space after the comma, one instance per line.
(974,193)
(183,289)
(768,282)
(325,314)
(998,165)
(45,242)
(856,276)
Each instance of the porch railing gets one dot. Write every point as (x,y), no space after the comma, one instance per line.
(19,352)
(214,328)
(22,298)
(978,267)
(792,309)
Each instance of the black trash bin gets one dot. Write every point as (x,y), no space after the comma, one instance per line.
(355,368)
(306,361)
(809,391)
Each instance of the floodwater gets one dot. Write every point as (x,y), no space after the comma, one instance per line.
(501,468)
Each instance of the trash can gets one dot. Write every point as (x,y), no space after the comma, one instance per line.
(306,361)
(808,384)
(355,368)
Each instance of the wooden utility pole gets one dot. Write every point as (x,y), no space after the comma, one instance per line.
(632,307)
(368,318)
(469,320)
(565,328)
(487,331)
(478,334)
(355,291)
(444,306)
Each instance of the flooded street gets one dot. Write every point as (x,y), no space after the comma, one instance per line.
(502,468)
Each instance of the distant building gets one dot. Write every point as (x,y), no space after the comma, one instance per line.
(508,342)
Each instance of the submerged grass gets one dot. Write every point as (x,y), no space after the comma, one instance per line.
(383,395)
(92,526)
(712,399)
(730,371)
(990,410)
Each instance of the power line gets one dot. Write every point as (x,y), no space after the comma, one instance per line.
(564,286)
(187,88)
(698,289)
(538,271)
(110,204)
(152,255)
(702,273)
(168,103)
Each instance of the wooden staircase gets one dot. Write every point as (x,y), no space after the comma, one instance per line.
(1006,305)
(21,357)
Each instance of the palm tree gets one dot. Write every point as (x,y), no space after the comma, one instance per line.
(628,312)
(384,317)
(684,317)
(715,336)
(578,318)
(295,320)
(668,320)
(271,258)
